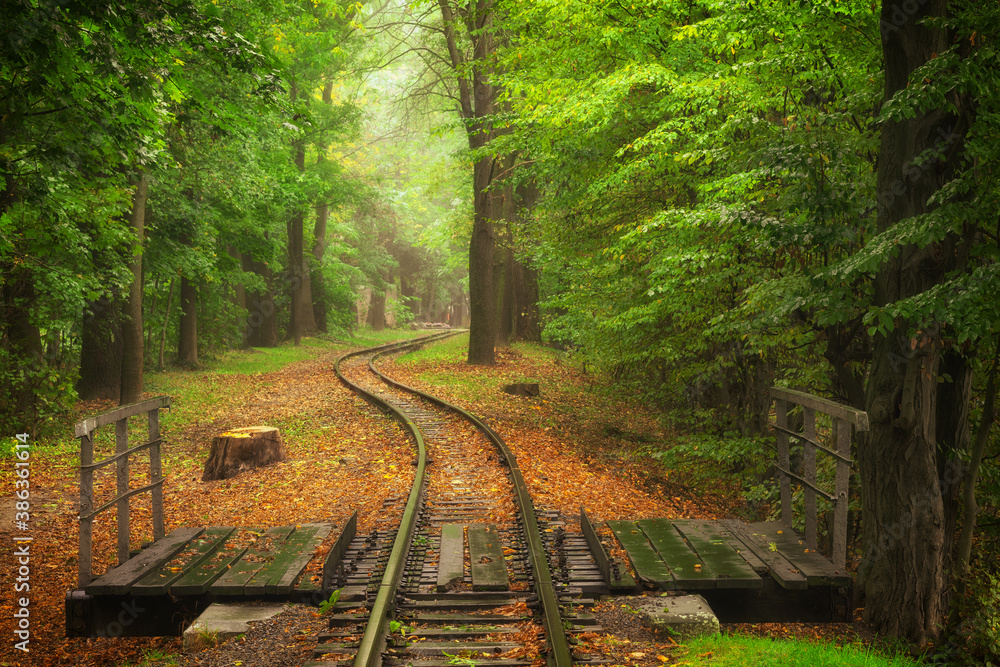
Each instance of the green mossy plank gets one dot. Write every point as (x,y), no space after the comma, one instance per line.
(814,566)
(722,530)
(645,561)
(117,581)
(295,554)
(256,557)
(687,569)
(786,574)
(730,568)
(489,569)
(195,552)
(198,579)
(451,562)
(264,580)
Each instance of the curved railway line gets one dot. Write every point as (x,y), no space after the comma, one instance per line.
(462,569)
(465,577)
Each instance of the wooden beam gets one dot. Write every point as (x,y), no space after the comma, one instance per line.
(857,418)
(93,423)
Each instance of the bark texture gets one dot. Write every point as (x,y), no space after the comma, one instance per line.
(262,319)
(132,328)
(101,350)
(21,339)
(477,98)
(907,489)
(301,321)
(187,345)
(243,449)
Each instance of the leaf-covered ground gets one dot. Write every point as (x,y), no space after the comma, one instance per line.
(577,444)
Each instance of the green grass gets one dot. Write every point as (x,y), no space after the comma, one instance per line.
(448,350)
(740,651)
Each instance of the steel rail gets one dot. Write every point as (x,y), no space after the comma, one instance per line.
(561,655)
(373,640)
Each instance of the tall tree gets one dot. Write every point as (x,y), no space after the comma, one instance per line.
(132,323)
(477,94)
(919,384)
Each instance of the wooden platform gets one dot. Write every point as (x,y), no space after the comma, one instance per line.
(748,572)
(154,591)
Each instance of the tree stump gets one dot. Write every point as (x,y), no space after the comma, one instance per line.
(522,389)
(243,449)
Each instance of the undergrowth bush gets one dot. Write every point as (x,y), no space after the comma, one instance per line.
(976,638)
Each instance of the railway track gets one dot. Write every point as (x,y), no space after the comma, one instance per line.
(471,574)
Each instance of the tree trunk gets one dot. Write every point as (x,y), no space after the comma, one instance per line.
(101,350)
(529,323)
(376,311)
(132,329)
(166,322)
(187,346)
(239,295)
(316,274)
(520,301)
(301,321)
(906,531)
(963,557)
(477,104)
(23,341)
(262,318)
(318,285)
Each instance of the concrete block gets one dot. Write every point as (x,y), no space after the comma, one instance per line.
(219,622)
(679,617)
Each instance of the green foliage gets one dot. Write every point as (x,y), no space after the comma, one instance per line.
(36,395)
(327,605)
(701,165)
(976,638)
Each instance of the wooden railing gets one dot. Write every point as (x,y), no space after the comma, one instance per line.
(86,431)
(844,418)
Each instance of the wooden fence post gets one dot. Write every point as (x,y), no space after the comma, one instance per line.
(86,507)
(156,473)
(781,415)
(839,555)
(809,470)
(121,475)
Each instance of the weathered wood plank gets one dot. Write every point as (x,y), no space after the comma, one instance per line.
(195,552)
(256,557)
(721,530)
(858,418)
(89,425)
(265,579)
(614,576)
(687,569)
(337,551)
(730,568)
(121,477)
(451,564)
(296,564)
(784,572)
(118,580)
(198,579)
(814,566)
(645,561)
(489,569)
